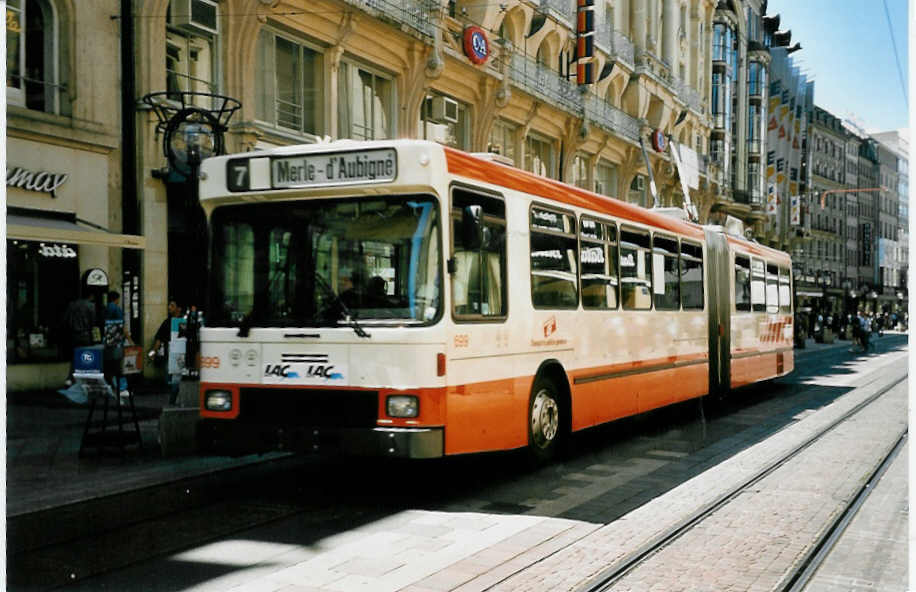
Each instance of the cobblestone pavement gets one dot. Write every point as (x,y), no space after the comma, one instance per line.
(872,552)
(531,541)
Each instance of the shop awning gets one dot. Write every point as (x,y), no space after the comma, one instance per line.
(40,228)
(809,292)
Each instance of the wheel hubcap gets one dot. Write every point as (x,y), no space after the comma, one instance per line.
(545,419)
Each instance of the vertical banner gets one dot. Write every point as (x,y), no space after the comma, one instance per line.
(585,41)
(772,199)
(796,210)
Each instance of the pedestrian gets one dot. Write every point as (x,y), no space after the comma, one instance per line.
(866,332)
(79,320)
(160,349)
(117,336)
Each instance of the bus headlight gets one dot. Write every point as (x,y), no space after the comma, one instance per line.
(218,401)
(403,406)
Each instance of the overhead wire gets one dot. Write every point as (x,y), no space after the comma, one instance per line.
(896,54)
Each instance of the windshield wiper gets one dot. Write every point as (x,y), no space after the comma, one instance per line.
(349,319)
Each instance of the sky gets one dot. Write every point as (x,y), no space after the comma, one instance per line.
(847,49)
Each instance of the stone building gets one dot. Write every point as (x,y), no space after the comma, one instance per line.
(898,143)
(853,248)
(867,220)
(824,255)
(887,272)
(66,223)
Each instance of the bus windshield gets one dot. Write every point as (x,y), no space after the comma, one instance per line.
(272,263)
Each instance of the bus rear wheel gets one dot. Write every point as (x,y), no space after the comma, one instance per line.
(545,427)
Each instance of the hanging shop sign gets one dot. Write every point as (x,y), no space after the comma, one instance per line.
(659,143)
(95,277)
(476,45)
(41,181)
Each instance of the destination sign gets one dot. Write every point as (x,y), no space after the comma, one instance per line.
(339,168)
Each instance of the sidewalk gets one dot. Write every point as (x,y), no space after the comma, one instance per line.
(44,472)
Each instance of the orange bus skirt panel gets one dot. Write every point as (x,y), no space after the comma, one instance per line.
(751,369)
(486,416)
(599,401)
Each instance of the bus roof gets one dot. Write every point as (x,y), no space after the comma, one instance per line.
(479,169)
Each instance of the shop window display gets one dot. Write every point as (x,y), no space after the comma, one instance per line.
(42,278)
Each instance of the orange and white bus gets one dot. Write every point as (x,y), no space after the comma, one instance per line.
(401,298)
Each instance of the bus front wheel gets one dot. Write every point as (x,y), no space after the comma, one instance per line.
(545,427)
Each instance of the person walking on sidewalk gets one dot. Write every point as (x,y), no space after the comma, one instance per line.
(160,349)
(79,319)
(117,335)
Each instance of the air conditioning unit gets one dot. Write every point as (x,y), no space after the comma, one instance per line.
(195,15)
(443,110)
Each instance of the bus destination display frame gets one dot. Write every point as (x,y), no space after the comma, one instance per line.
(305,171)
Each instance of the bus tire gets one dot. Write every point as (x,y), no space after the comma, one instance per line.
(545,422)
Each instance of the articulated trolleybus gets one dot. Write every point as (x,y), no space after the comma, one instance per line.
(401,298)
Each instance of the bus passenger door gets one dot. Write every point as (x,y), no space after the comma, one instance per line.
(718,272)
(479,405)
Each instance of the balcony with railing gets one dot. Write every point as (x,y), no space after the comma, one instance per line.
(561,9)
(615,44)
(611,118)
(544,83)
(689,95)
(414,15)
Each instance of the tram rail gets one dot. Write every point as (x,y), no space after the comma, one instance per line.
(609,577)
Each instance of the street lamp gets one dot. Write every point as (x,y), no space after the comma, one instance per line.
(190,133)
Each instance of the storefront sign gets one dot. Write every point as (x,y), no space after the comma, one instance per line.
(476,46)
(56,250)
(42,181)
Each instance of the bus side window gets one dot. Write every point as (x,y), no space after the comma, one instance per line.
(479,277)
(691,276)
(758,286)
(554,259)
(598,257)
(666,286)
(772,289)
(635,269)
(785,291)
(742,284)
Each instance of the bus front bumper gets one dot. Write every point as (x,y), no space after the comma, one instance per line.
(235,439)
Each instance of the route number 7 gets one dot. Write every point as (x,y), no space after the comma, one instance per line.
(237,175)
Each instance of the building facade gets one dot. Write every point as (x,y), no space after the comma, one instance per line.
(824,255)
(867,220)
(65,220)
(898,256)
